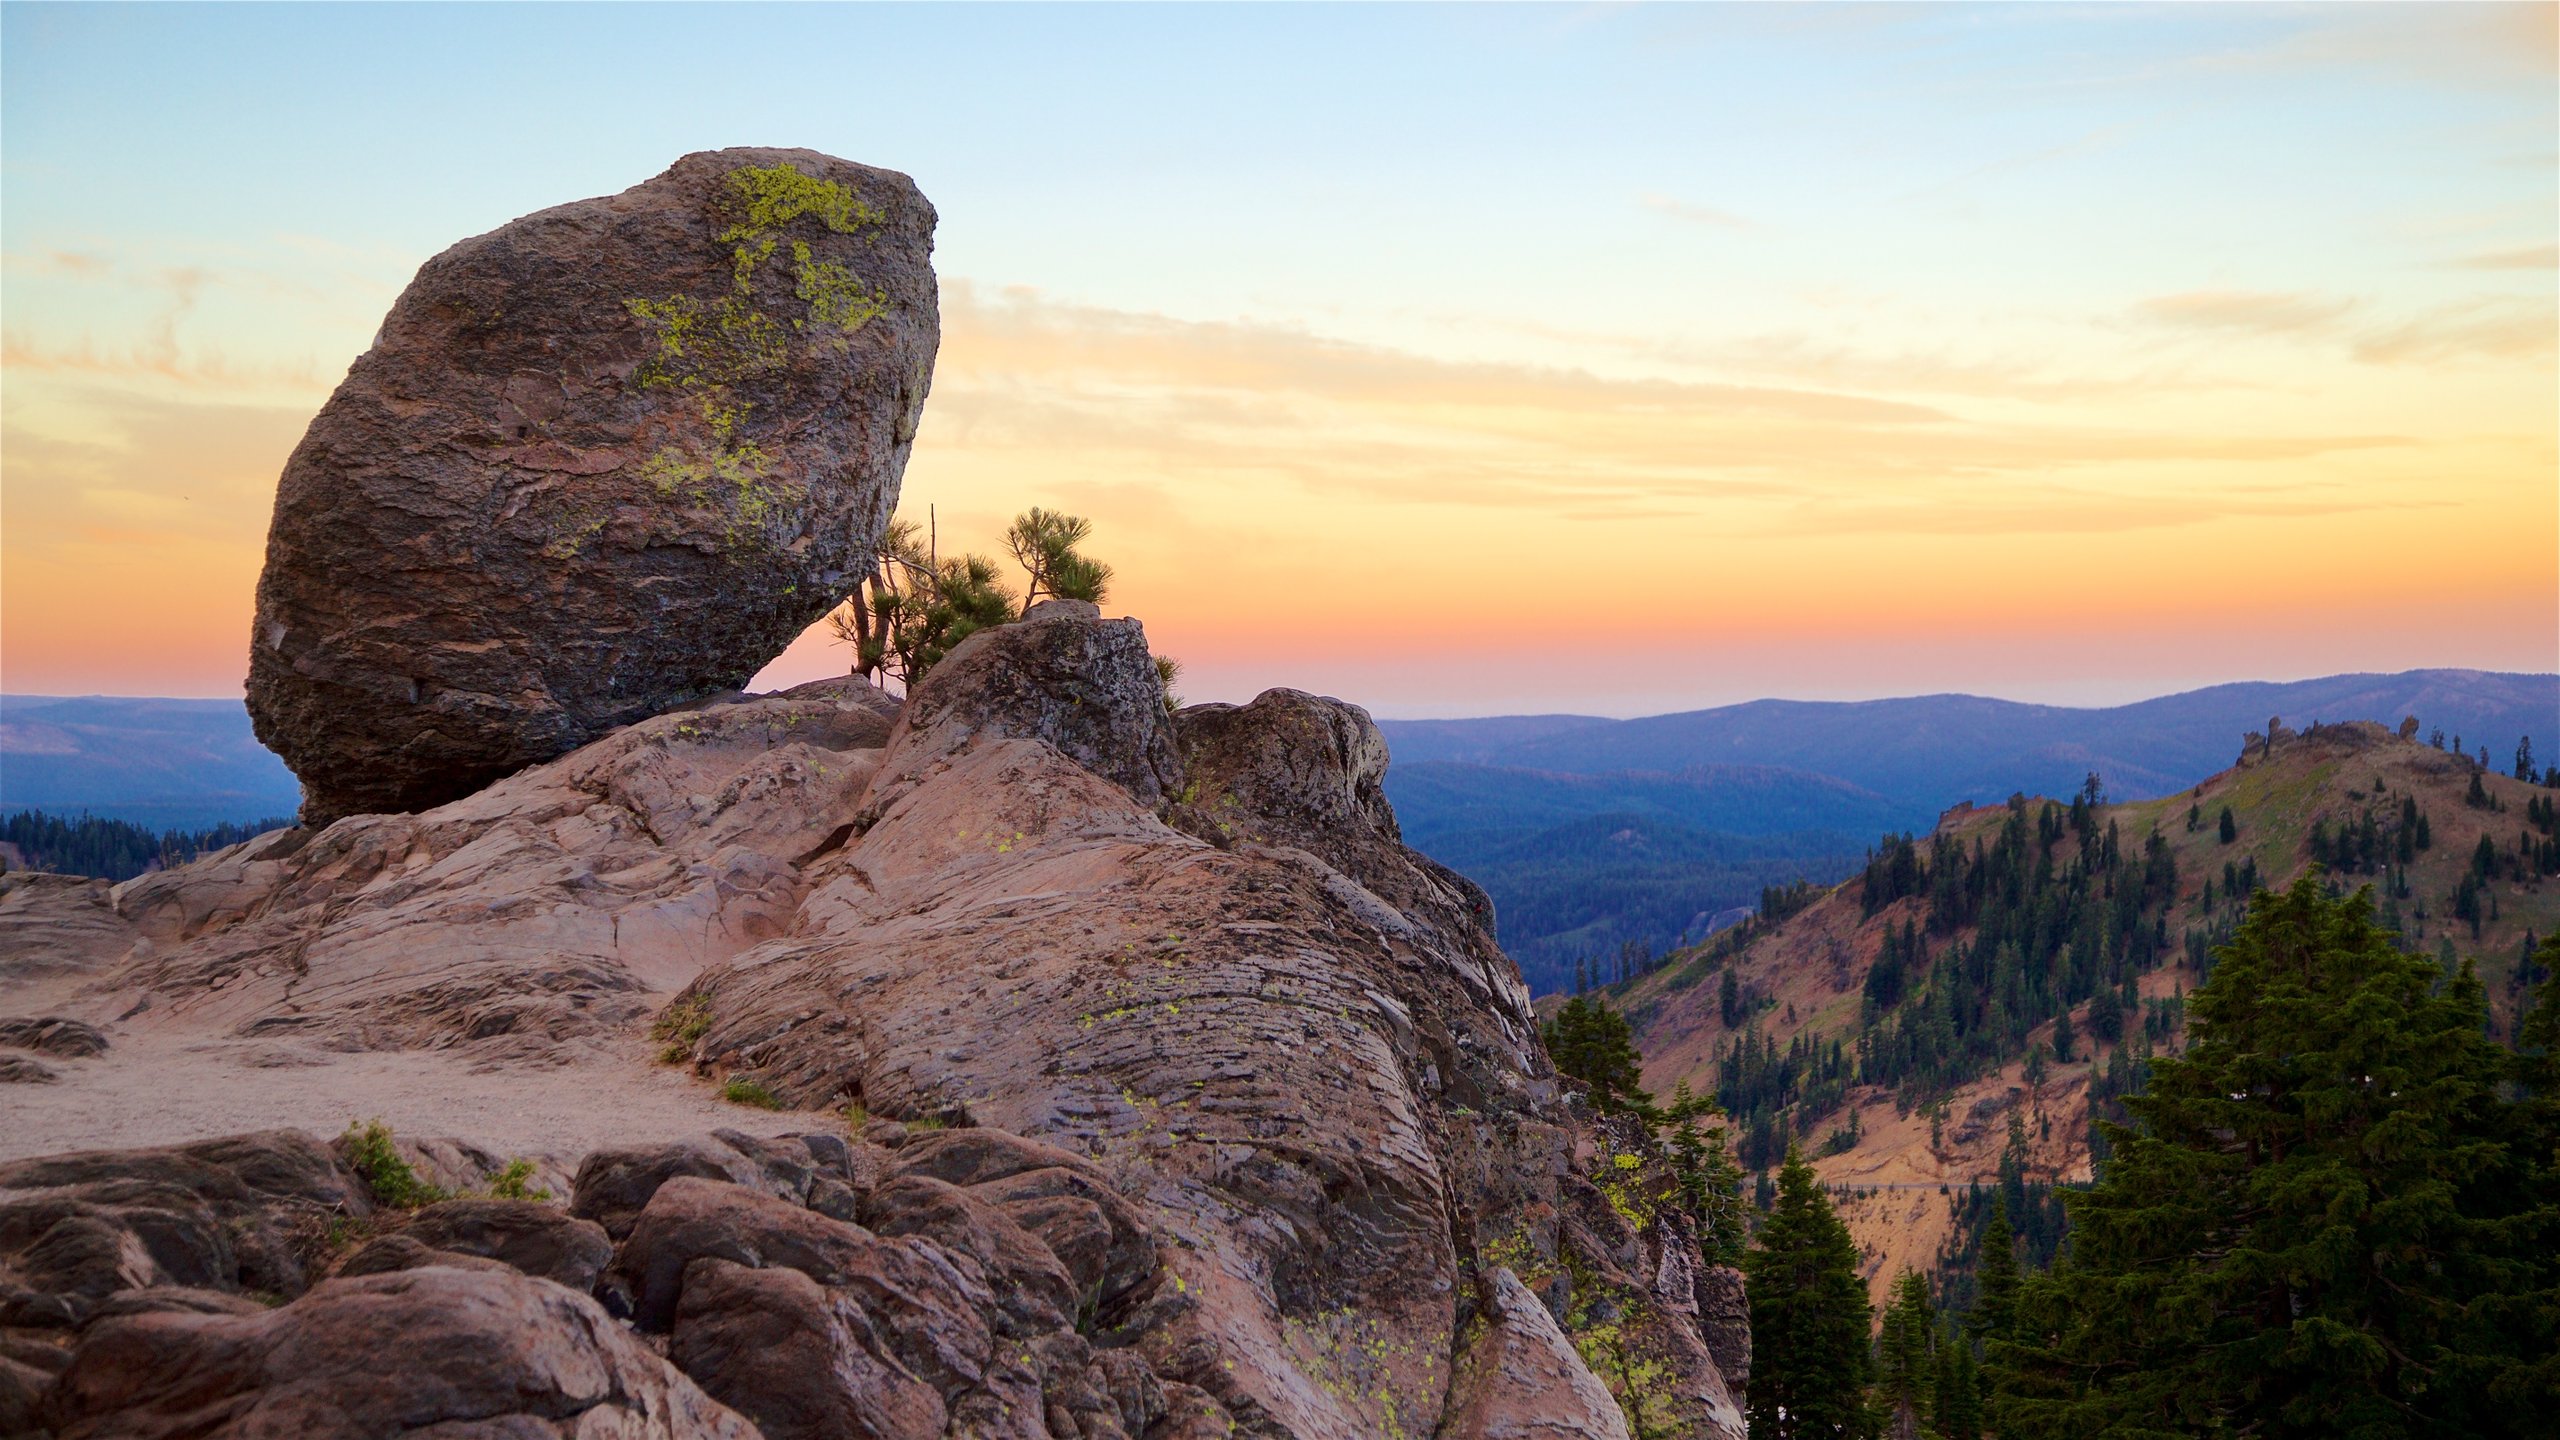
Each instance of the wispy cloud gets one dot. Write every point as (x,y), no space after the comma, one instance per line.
(160,358)
(2261,312)
(2497,328)
(1250,403)
(2063,512)
(2455,46)
(2526,257)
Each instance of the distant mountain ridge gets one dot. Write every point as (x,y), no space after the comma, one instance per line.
(1931,751)
(1811,784)
(163,763)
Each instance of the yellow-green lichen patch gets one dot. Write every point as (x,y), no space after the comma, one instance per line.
(707,350)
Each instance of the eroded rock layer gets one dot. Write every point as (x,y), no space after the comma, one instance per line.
(1154,1088)
(603,459)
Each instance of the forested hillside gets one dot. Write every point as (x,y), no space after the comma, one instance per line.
(1601,896)
(110,849)
(1959,1011)
(1602,872)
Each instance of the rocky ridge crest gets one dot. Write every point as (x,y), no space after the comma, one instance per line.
(1195,1104)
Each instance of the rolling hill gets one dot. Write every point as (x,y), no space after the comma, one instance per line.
(1939,1054)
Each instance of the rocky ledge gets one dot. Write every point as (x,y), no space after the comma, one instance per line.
(1150,1087)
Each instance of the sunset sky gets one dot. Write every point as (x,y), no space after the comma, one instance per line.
(1453,360)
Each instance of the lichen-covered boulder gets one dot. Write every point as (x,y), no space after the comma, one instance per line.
(599,461)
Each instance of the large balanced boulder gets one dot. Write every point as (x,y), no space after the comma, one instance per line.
(600,461)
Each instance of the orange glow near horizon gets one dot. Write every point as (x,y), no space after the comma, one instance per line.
(1270,498)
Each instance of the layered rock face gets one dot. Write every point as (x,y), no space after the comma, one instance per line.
(1153,1090)
(604,459)
(515,924)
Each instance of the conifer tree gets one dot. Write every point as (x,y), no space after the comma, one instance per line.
(1044,544)
(1809,1318)
(2228,828)
(1906,1363)
(1996,1277)
(1957,1411)
(2326,1221)
(1710,1178)
(1595,1045)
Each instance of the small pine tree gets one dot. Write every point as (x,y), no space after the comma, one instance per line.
(1710,1178)
(2227,827)
(1958,1411)
(1906,1362)
(1044,544)
(1809,1319)
(1595,1045)
(1996,1278)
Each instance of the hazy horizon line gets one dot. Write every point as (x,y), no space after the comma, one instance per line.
(242,699)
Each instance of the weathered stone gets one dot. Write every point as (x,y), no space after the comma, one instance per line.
(1061,674)
(614,1186)
(908,1303)
(1094,1231)
(386,1254)
(1303,1085)
(690,1218)
(26,1377)
(558,899)
(57,925)
(237,1214)
(1032,1288)
(436,1351)
(1195,1109)
(538,1239)
(25,1070)
(788,1354)
(53,1035)
(606,458)
(1309,771)
(1523,1380)
(1724,1323)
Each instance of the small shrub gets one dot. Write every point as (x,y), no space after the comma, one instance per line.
(515,1183)
(928,1122)
(747,1092)
(372,1156)
(682,1025)
(855,1116)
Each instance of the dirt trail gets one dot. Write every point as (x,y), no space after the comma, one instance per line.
(160,1086)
